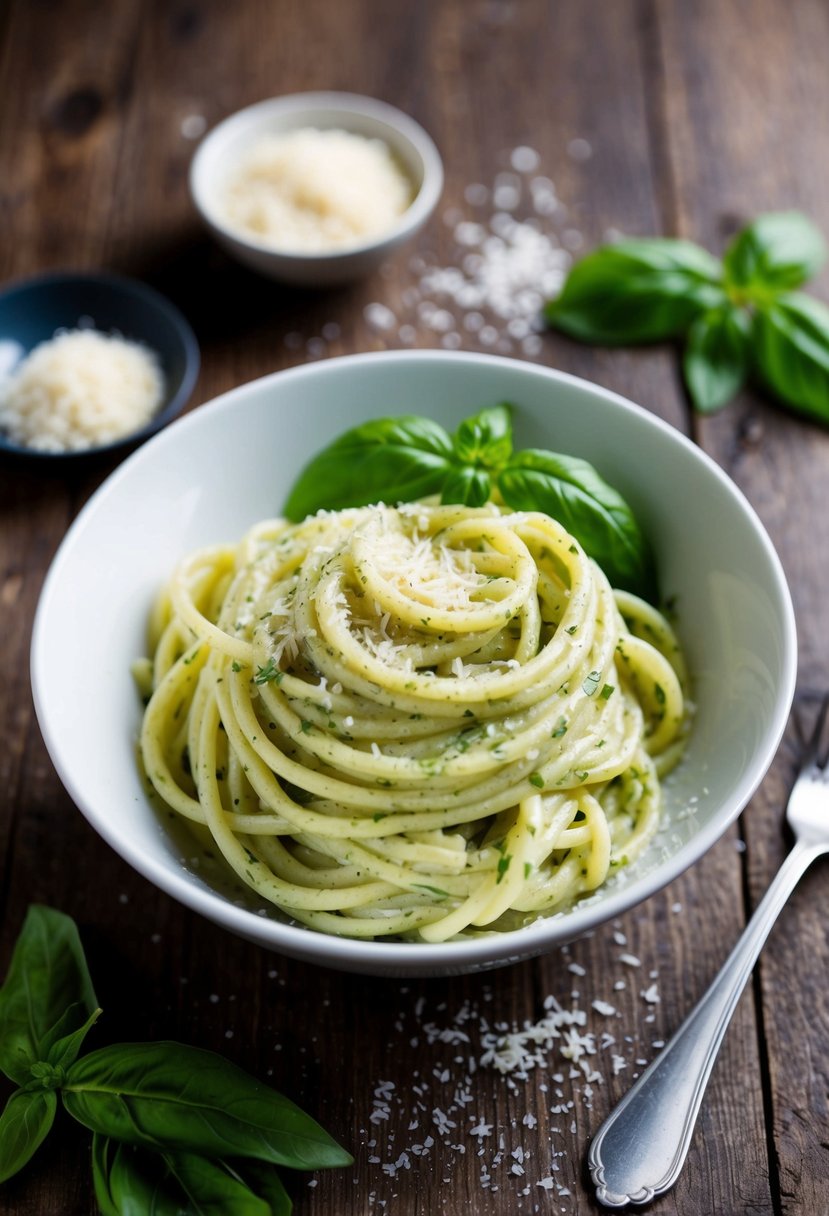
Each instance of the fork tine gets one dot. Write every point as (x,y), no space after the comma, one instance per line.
(811,751)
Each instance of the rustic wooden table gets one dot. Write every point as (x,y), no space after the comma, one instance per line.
(649,116)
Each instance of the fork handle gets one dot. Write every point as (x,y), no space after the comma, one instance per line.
(640,1148)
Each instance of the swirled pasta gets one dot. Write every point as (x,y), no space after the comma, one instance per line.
(423,721)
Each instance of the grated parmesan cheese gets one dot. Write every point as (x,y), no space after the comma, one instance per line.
(309,191)
(79,390)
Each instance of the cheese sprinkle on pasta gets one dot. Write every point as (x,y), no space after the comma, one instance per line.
(423,721)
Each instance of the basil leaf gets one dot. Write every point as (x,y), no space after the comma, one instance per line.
(486,438)
(572,492)
(128,1182)
(386,460)
(214,1188)
(24,1125)
(48,974)
(775,253)
(466,485)
(637,291)
(182,1098)
(791,352)
(717,357)
(266,1182)
(63,1043)
(135,1182)
(102,1150)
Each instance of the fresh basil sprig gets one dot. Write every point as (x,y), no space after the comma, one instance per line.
(175,1128)
(401,459)
(740,319)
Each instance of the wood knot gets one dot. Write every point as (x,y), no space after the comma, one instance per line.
(10,589)
(751,432)
(186,23)
(75,113)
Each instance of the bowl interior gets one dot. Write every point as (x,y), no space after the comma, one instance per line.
(216,472)
(221,151)
(33,311)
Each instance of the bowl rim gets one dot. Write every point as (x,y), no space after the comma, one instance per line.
(151,298)
(254,115)
(420,958)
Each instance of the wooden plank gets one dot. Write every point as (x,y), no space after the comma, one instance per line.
(743,143)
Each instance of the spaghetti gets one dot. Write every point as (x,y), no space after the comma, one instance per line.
(422,721)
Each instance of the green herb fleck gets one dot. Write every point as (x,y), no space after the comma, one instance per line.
(267,673)
(591,683)
(503,866)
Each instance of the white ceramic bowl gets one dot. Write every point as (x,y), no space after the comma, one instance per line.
(219,153)
(212,474)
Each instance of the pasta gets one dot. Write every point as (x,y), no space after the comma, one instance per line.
(423,721)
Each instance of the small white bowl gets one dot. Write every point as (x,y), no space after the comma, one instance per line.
(210,476)
(220,152)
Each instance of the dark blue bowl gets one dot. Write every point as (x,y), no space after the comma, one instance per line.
(32,311)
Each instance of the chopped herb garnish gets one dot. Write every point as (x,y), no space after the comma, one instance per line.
(306,726)
(463,741)
(537,780)
(527,869)
(607,692)
(561,728)
(234,666)
(591,683)
(659,693)
(503,866)
(267,673)
(422,886)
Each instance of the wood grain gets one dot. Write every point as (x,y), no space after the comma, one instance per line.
(720,169)
(694,119)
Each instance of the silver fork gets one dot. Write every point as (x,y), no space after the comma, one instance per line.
(640,1149)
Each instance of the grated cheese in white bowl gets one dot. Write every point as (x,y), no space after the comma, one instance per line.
(81,389)
(311,191)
